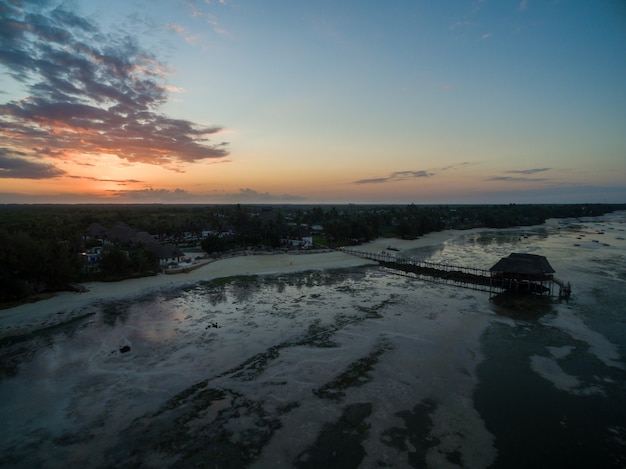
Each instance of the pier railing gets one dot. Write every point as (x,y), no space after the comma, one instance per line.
(404,260)
(565,288)
(459,275)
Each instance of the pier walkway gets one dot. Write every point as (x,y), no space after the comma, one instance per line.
(462,276)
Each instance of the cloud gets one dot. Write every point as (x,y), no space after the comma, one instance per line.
(523,5)
(198,12)
(396,176)
(410,174)
(182,32)
(175,27)
(455,166)
(528,171)
(14,165)
(515,179)
(523,172)
(372,181)
(120,182)
(251,196)
(151,195)
(91,92)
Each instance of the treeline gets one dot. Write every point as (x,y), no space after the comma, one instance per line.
(32,264)
(40,244)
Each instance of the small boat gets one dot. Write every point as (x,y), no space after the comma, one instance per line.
(389,248)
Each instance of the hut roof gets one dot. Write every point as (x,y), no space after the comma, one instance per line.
(167,251)
(530,264)
(97,230)
(122,232)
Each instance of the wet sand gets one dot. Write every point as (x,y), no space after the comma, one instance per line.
(66,306)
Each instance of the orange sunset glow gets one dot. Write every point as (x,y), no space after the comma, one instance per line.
(420,103)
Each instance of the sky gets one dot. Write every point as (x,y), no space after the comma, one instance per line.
(300,102)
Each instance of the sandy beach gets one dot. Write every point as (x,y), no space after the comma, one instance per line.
(66,306)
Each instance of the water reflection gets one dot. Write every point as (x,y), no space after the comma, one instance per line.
(522,306)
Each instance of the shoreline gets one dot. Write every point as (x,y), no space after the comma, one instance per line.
(66,306)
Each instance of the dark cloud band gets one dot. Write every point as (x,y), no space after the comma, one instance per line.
(14,165)
(396,176)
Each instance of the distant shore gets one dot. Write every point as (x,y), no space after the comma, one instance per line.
(66,306)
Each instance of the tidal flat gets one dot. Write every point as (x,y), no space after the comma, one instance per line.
(352,367)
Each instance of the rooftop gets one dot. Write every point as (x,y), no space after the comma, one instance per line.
(529,264)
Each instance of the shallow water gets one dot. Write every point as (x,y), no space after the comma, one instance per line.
(350,368)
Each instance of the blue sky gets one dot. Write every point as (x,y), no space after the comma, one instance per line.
(315,102)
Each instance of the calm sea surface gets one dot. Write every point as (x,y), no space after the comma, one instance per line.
(343,368)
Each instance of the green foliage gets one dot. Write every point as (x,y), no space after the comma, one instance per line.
(214,243)
(118,264)
(142,261)
(32,265)
(114,263)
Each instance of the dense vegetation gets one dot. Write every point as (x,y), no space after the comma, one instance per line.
(40,244)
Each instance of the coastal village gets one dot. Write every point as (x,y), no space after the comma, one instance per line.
(168,251)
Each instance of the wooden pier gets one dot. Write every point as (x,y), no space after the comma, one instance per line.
(462,276)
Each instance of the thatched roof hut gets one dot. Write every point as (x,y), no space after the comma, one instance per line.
(96,230)
(523,266)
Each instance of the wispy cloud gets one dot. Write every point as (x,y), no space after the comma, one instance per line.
(523,4)
(528,171)
(180,195)
(197,12)
(396,176)
(515,179)
(523,175)
(373,180)
(456,166)
(151,195)
(175,27)
(179,30)
(90,93)
(121,182)
(251,196)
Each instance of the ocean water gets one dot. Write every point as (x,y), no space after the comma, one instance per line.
(342,368)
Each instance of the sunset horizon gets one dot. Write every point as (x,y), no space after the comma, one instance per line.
(225,102)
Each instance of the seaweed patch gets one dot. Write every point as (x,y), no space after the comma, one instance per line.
(339,443)
(415,438)
(201,426)
(357,374)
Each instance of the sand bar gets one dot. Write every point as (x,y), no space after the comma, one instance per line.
(68,305)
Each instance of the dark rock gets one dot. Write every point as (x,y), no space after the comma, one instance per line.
(124,349)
